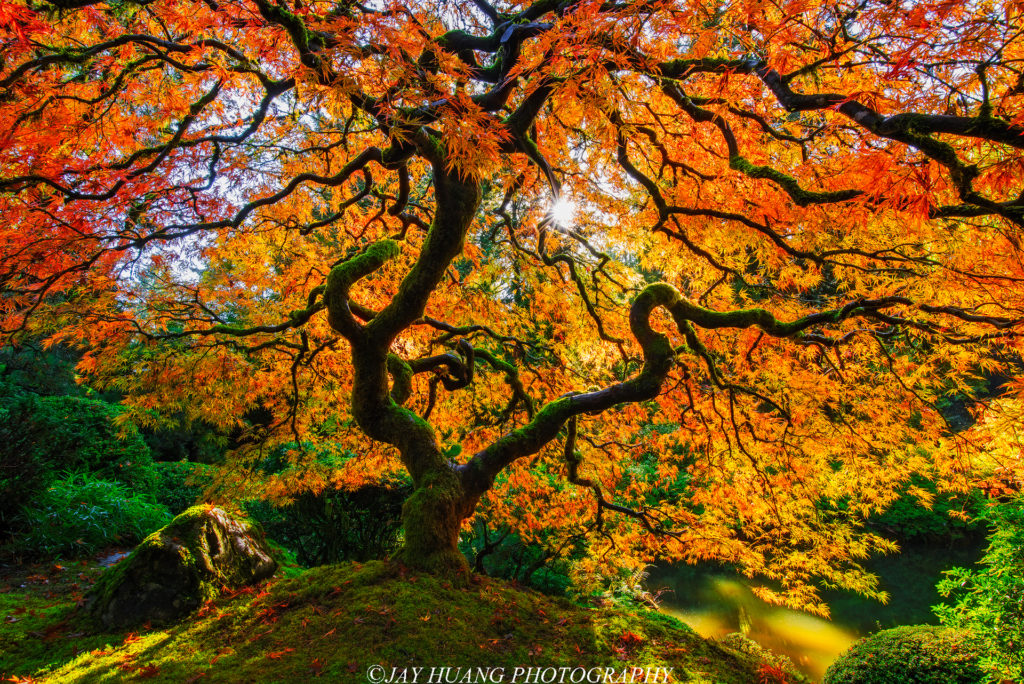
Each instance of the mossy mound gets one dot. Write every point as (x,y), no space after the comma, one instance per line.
(178,568)
(338,622)
(919,654)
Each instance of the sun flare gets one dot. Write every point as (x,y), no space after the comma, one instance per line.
(562,212)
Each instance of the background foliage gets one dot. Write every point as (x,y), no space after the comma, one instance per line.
(989,598)
(42,438)
(79,515)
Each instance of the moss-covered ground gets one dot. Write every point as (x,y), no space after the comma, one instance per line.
(335,622)
(39,621)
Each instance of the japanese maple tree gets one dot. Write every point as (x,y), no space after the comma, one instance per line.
(682,279)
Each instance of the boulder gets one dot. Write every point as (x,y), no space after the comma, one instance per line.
(178,568)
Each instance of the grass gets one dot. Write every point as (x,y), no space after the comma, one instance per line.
(335,622)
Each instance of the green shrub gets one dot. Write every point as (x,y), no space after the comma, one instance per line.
(909,520)
(920,654)
(336,525)
(333,525)
(180,484)
(500,552)
(989,599)
(80,515)
(42,437)
(83,434)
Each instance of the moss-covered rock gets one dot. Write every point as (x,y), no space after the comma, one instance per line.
(179,567)
(919,654)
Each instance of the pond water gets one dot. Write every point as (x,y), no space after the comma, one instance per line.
(716,602)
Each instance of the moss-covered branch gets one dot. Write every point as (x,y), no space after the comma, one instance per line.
(799,195)
(478,474)
(457,202)
(376,402)
(460,371)
(344,275)
(659,356)
(519,394)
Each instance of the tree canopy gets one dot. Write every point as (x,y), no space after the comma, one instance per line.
(678,279)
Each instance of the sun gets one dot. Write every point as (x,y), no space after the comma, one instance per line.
(562,212)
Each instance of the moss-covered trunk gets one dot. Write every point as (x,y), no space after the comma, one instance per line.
(433,517)
(439,503)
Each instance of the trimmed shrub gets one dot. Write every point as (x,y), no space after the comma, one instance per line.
(80,515)
(919,654)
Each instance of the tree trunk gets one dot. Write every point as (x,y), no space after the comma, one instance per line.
(432,516)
